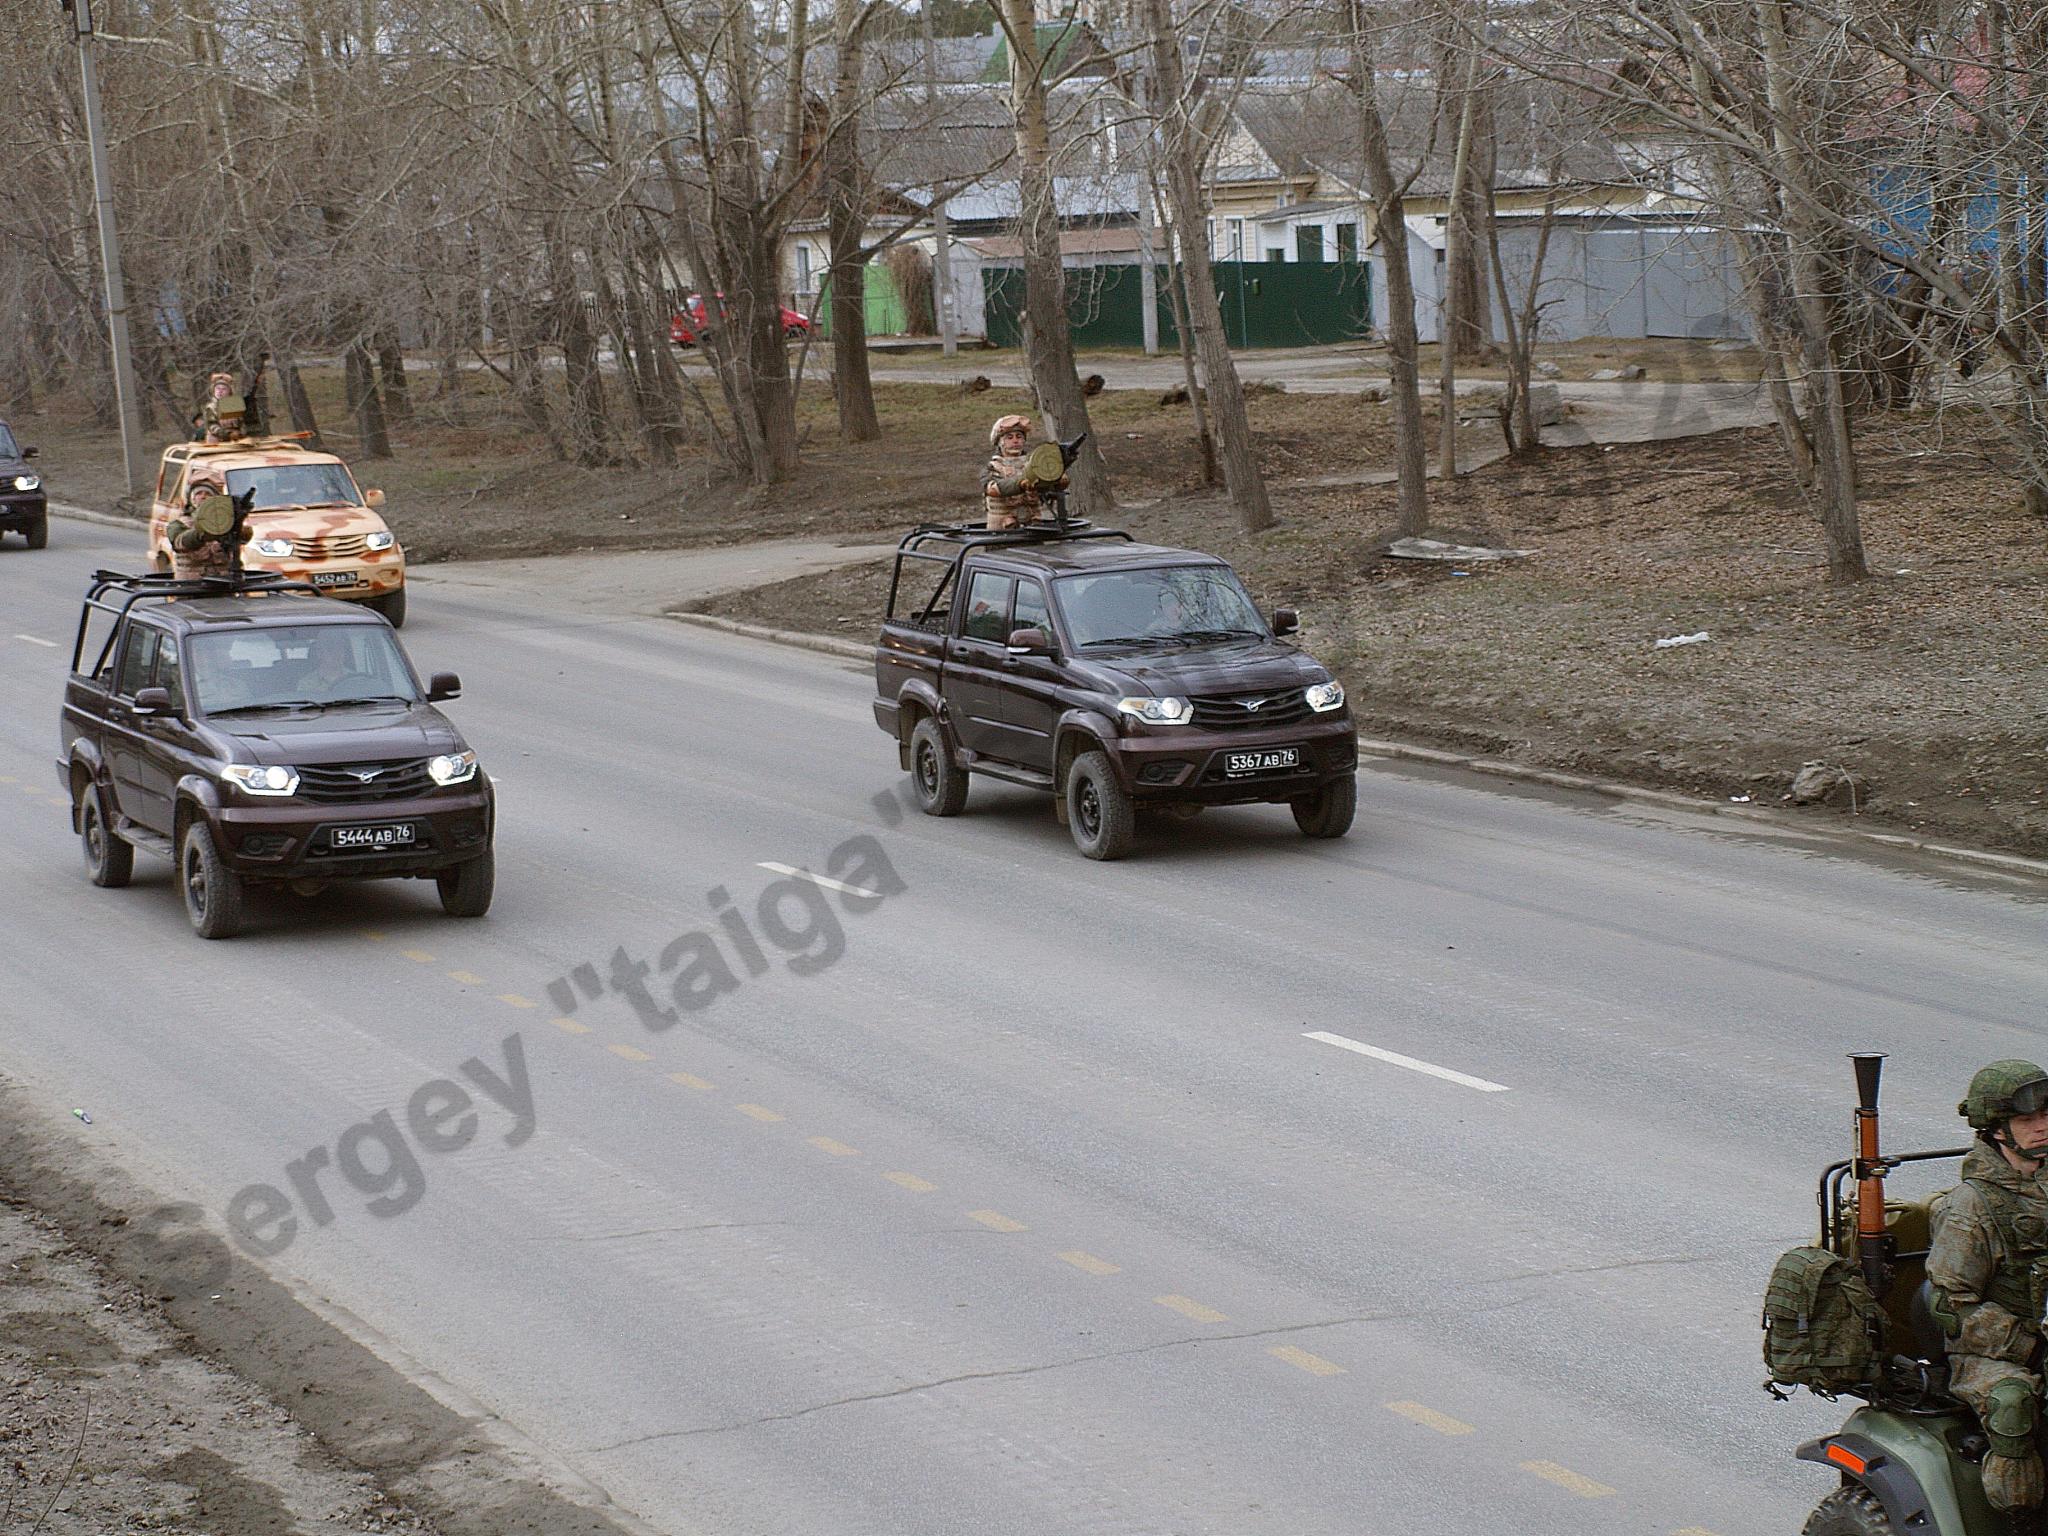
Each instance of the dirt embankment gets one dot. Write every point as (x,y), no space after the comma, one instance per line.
(1925,683)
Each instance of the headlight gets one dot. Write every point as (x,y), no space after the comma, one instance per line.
(258,780)
(1157,711)
(27,483)
(452,768)
(1324,697)
(383,540)
(275,548)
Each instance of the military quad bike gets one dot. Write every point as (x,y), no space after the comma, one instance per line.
(1907,1459)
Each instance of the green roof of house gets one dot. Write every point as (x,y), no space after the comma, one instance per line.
(1054,39)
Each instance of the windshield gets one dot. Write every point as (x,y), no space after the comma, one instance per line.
(7,448)
(1170,605)
(300,666)
(295,485)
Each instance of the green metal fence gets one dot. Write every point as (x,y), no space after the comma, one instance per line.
(882,305)
(1265,304)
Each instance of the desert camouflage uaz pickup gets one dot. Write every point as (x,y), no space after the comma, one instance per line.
(308,521)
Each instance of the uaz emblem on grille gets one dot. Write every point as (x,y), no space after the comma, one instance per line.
(1253,703)
(364,775)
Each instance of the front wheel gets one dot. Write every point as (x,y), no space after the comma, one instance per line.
(1099,809)
(941,784)
(213,892)
(466,889)
(392,606)
(38,532)
(109,860)
(1328,811)
(1851,1510)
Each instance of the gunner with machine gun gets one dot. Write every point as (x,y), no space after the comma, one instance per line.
(1008,486)
(206,538)
(1988,1267)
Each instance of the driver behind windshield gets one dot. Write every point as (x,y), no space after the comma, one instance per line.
(330,660)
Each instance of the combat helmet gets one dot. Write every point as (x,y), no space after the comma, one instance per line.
(2002,1090)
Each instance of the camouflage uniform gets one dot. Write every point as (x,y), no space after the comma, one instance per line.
(197,553)
(1008,509)
(1987,1264)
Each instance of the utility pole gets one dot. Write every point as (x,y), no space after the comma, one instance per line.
(942,244)
(110,247)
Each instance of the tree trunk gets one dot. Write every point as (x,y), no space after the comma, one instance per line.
(846,221)
(1390,229)
(296,402)
(1457,262)
(1053,376)
(369,401)
(397,391)
(1235,447)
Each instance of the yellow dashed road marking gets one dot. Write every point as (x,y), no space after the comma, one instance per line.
(514,1000)
(1429,1418)
(1315,1365)
(8,778)
(1693,1530)
(417,956)
(374,936)
(629,1052)
(688,1081)
(836,1148)
(911,1182)
(467,978)
(757,1112)
(1191,1309)
(997,1221)
(1567,1479)
(570,1026)
(1090,1263)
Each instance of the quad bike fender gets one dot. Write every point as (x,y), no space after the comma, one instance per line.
(1910,1465)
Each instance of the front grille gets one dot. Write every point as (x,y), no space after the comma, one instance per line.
(347,784)
(1228,711)
(340,546)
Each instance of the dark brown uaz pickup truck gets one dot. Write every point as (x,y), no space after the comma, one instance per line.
(1119,676)
(257,735)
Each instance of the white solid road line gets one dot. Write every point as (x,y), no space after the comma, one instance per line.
(32,640)
(1395,1059)
(805,874)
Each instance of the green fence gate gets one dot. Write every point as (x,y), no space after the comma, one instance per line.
(1265,304)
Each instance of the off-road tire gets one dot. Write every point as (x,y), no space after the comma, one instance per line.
(466,887)
(213,893)
(392,606)
(109,859)
(939,783)
(38,532)
(1099,811)
(1328,811)
(792,333)
(1851,1510)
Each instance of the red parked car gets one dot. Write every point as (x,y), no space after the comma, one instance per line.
(683,328)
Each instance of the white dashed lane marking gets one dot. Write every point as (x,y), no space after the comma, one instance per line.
(1395,1059)
(32,640)
(830,884)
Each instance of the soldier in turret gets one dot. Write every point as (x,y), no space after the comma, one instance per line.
(1008,488)
(1988,1267)
(205,537)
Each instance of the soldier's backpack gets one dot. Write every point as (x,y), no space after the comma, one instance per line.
(1821,1323)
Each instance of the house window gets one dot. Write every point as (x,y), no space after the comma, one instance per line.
(1278,253)
(1308,242)
(803,268)
(1209,236)
(1347,242)
(1236,227)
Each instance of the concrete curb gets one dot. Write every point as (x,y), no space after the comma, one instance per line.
(102,519)
(1763,816)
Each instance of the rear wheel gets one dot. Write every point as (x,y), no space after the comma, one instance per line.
(1328,811)
(1099,810)
(392,606)
(109,861)
(941,785)
(792,333)
(466,889)
(213,892)
(1851,1510)
(38,532)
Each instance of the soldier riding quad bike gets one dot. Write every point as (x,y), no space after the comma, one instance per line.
(1856,1315)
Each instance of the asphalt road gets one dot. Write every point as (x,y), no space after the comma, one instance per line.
(1027,1203)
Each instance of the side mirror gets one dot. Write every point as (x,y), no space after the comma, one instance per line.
(29,453)
(1029,642)
(153,701)
(443,685)
(1285,621)
(373,498)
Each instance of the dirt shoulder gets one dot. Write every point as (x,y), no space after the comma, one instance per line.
(152,1381)
(1924,683)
